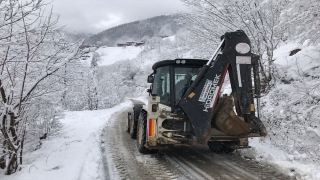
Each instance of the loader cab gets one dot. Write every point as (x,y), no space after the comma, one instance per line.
(171,78)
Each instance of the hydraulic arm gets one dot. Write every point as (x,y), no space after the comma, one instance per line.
(201,102)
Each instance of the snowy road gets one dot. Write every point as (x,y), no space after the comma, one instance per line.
(123,161)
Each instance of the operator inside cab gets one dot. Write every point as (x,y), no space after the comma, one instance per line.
(182,85)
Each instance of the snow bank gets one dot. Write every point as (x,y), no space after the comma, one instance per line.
(74,154)
(264,152)
(291,113)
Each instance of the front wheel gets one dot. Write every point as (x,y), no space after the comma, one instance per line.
(142,135)
(133,124)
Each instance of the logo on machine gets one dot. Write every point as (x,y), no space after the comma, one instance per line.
(209,92)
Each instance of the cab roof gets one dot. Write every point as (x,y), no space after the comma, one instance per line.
(188,62)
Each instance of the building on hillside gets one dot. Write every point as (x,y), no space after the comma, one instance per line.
(139,43)
(130,43)
(121,45)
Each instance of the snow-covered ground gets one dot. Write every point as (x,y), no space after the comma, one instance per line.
(266,153)
(110,55)
(74,154)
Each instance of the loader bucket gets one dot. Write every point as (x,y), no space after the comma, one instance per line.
(224,118)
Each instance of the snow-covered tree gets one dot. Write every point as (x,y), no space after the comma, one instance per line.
(32,49)
(302,18)
(93,100)
(260,19)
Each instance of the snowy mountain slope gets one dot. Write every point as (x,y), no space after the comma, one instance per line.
(164,25)
(110,55)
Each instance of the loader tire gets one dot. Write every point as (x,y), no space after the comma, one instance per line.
(133,125)
(128,122)
(142,135)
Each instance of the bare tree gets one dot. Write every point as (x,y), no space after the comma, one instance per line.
(32,49)
(259,19)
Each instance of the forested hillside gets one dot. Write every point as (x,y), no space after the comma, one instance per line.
(136,31)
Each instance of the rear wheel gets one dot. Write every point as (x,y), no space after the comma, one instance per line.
(220,147)
(128,122)
(142,135)
(133,125)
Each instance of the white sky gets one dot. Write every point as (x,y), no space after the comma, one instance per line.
(93,16)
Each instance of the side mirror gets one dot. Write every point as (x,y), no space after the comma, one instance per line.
(150,79)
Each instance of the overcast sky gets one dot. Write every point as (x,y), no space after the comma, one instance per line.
(93,16)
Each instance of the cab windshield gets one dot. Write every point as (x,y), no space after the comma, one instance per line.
(183,77)
(181,80)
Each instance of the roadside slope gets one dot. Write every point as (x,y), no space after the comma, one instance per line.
(73,154)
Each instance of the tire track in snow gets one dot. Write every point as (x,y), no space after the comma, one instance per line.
(228,166)
(122,159)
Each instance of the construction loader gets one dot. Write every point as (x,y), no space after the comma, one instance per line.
(186,107)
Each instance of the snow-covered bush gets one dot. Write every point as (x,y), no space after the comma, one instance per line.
(117,82)
(291,110)
(302,19)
